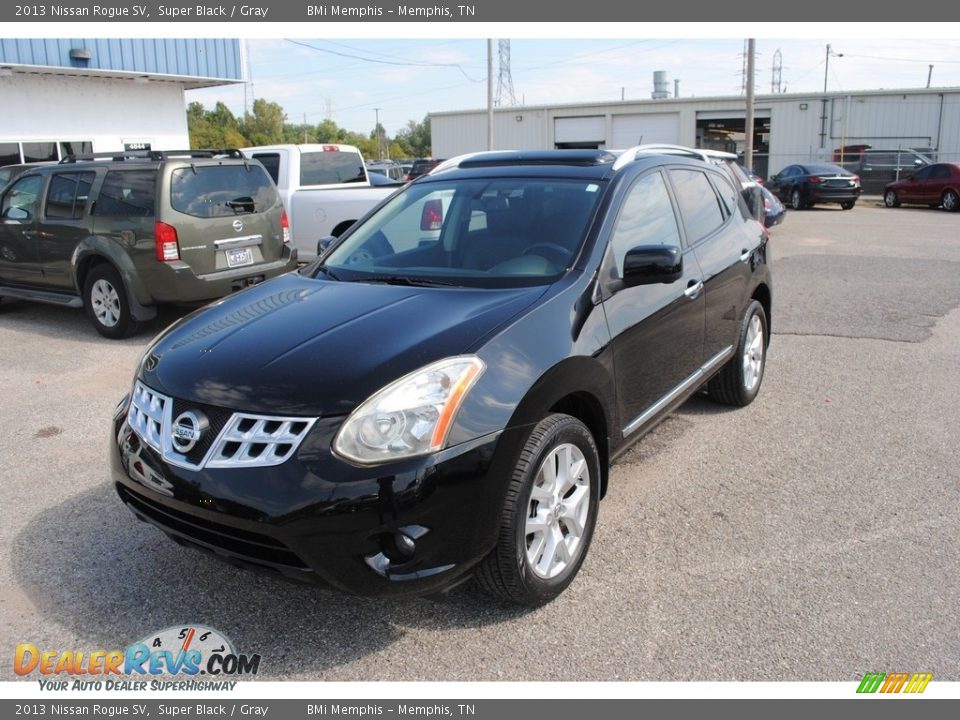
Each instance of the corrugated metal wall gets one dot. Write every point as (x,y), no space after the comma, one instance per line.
(797,132)
(213,58)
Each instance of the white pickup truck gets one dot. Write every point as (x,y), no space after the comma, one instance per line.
(324,188)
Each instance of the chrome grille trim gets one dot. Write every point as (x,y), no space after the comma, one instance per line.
(246,440)
(148,415)
(258,445)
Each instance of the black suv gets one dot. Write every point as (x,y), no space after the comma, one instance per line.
(443,391)
(119,233)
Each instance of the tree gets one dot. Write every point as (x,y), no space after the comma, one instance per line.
(415,138)
(265,125)
(217,128)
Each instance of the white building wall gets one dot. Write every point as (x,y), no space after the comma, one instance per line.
(883,119)
(108,111)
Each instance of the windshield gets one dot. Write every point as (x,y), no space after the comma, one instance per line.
(481,232)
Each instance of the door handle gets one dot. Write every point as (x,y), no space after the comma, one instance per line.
(744,255)
(693,289)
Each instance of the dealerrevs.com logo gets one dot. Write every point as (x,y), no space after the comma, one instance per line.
(191,651)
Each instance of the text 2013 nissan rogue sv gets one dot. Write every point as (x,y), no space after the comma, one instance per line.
(442,392)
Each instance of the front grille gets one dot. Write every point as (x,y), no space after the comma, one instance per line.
(232,439)
(243,544)
(148,410)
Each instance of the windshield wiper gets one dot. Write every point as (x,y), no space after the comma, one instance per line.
(406,280)
(328,272)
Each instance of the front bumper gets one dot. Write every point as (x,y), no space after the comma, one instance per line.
(318,519)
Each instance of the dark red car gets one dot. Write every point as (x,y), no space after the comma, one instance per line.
(934,185)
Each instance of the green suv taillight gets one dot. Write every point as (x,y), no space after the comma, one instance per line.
(165,239)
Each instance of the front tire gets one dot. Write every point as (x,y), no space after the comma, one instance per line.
(890,199)
(105,300)
(548,516)
(739,381)
(951,201)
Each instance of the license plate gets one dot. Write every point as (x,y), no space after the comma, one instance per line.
(239,257)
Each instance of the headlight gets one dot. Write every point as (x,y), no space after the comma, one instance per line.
(410,416)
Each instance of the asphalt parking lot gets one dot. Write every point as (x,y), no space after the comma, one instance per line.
(810,536)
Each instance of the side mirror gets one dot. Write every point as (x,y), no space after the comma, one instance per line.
(16,213)
(652,264)
(323,244)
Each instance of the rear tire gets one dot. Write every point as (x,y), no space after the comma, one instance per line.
(739,381)
(847,205)
(951,201)
(105,300)
(548,516)
(890,199)
(796,200)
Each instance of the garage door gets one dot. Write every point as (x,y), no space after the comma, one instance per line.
(591,129)
(630,130)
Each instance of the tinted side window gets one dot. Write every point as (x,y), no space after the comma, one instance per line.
(646,218)
(330,168)
(938,171)
(924,173)
(699,206)
(221,190)
(68,195)
(729,197)
(127,193)
(24,194)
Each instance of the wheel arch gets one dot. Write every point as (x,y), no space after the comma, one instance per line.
(762,295)
(582,388)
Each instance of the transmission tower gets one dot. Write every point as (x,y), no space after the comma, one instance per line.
(776,79)
(505,94)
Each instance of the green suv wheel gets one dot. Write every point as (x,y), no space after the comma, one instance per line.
(105,299)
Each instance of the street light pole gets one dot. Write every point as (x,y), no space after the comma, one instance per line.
(826,65)
(823,113)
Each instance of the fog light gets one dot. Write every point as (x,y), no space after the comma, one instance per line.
(405,544)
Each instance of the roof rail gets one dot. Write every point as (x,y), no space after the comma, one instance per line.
(121,155)
(631,154)
(454,162)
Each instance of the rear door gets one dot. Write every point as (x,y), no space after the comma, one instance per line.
(719,231)
(938,180)
(226,215)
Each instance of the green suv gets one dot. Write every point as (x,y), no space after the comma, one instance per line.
(118,234)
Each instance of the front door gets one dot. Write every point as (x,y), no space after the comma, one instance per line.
(19,213)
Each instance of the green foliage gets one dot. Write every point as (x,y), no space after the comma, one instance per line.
(266,125)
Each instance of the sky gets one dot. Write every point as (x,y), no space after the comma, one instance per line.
(355,81)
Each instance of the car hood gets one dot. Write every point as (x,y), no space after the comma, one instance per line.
(304,346)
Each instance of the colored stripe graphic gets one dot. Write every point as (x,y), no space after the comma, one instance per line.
(918,683)
(894,682)
(871,682)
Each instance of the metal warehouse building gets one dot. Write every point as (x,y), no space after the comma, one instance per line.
(60,96)
(788,128)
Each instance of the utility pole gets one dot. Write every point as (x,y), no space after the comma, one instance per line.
(826,65)
(929,75)
(748,129)
(489,93)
